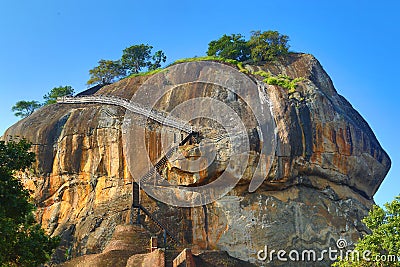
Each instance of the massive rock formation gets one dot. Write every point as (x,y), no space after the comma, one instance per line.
(327,166)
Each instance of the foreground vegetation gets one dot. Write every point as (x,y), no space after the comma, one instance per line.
(382,246)
(22,241)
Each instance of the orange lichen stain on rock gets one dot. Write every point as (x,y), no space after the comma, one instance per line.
(343,141)
(323,212)
(332,147)
(102,191)
(46,213)
(153,145)
(219,233)
(65,210)
(341,163)
(55,181)
(126,173)
(199,232)
(317,142)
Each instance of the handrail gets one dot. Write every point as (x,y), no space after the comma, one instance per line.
(163,227)
(184,256)
(145,177)
(164,158)
(152,114)
(158,116)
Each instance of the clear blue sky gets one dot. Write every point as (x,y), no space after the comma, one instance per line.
(48,43)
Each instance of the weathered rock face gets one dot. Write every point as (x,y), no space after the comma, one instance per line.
(127,240)
(327,167)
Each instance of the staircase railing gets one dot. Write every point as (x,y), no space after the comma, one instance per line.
(157,116)
(164,158)
(166,232)
(137,108)
(144,178)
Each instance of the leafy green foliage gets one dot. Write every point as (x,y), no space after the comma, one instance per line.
(207,58)
(384,239)
(280,80)
(284,82)
(266,46)
(106,72)
(25,108)
(232,46)
(262,46)
(22,241)
(150,72)
(51,97)
(193,59)
(158,58)
(241,68)
(136,57)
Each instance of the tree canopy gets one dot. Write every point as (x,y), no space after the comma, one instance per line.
(106,72)
(25,108)
(22,241)
(136,57)
(262,46)
(51,97)
(384,241)
(158,58)
(232,46)
(266,46)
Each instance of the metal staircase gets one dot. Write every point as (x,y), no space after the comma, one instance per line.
(159,117)
(163,160)
(145,178)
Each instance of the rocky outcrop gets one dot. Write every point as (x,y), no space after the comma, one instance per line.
(327,166)
(127,240)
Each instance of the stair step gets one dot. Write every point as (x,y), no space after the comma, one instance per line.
(135,197)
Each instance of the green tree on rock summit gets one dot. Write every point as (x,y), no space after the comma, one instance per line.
(137,57)
(268,45)
(232,46)
(158,58)
(51,97)
(262,46)
(25,108)
(106,72)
